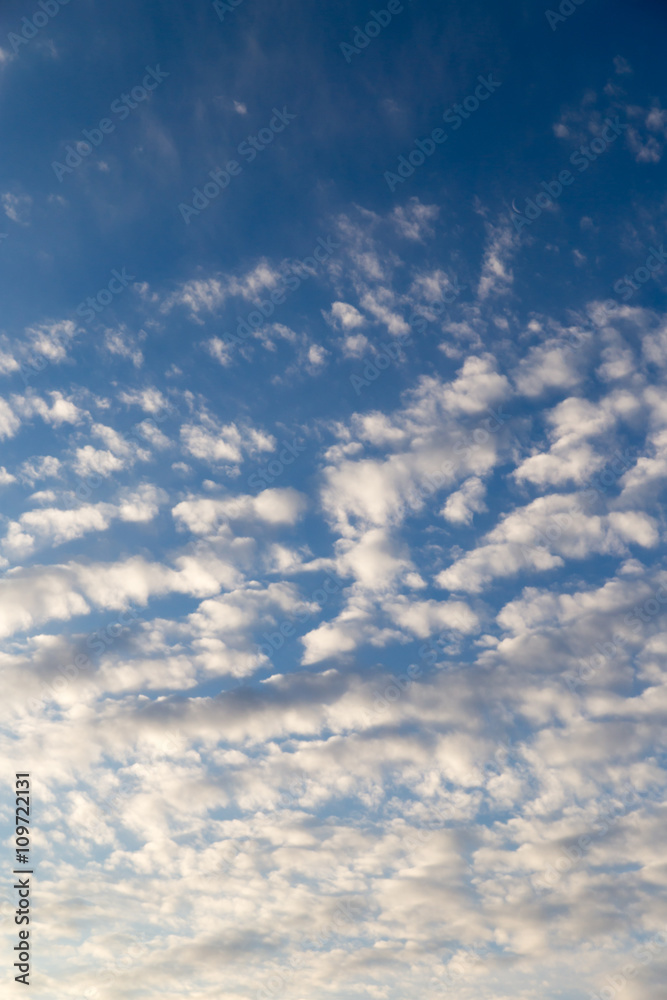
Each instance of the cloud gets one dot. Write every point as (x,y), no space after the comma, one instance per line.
(9,422)
(464,503)
(39,594)
(61,411)
(90,461)
(17,206)
(50,526)
(222,351)
(207,295)
(412,220)
(153,434)
(621,65)
(344,316)
(220,444)
(477,387)
(123,344)
(41,467)
(118,454)
(52,340)
(550,365)
(496,276)
(203,515)
(429,449)
(542,534)
(150,399)
(8,362)
(571,457)
(424,618)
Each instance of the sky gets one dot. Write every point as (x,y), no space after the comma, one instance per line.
(333,438)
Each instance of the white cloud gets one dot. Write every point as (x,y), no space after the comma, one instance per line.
(542,534)
(9,422)
(149,430)
(52,526)
(376,560)
(52,340)
(220,350)
(424,618)
(124,344)
(96,461)
(221,444)
(17,206)
(39,594)
(202,295)
(496,275)
(463,504)
(413,220)
(344,316)
(571,457)
(477,387)
(430,450)
(551,365)
(61,411)
(150,399)
(203,515)
(8,362)
(39,467)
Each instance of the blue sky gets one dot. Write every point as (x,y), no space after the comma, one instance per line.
(332,578)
